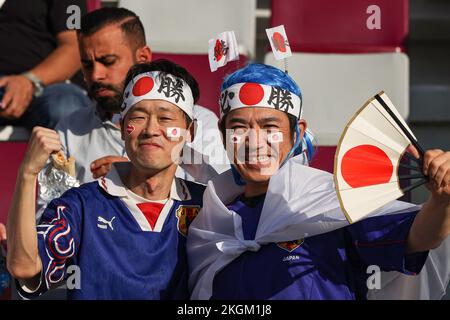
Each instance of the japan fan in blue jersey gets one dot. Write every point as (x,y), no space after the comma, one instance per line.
(123,236)
(272,227)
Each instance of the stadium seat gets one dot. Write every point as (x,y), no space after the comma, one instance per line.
(335,86)
(209,82)
(331,26)
(186,26)
(13,144)
(93,5)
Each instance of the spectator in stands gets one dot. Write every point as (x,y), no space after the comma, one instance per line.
(124,234)
(281,234)
(111,40)
(39,53)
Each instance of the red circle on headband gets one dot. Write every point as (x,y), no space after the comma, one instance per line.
(143,86)
(251,94)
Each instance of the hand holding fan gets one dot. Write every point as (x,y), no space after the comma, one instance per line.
(370,153)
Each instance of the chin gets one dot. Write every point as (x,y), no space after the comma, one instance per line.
(258,176)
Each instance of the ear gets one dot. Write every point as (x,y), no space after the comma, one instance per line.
(303,125)
(143,54)
(192,129)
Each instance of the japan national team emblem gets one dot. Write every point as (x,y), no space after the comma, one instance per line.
(290,245)
(222,49)
(279,42)
(185,215)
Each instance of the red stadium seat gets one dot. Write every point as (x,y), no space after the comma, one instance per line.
(330,26)
(209,82)
(12,156)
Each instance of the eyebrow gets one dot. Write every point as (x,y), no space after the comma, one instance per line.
(263,120)
(269,119)
(159,108)
(104,57)
(239,120)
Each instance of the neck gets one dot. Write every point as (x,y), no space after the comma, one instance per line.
(253,189)
(151,185)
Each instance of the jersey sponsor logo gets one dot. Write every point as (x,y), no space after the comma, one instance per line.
(290,246)
(185,215)
(102,223)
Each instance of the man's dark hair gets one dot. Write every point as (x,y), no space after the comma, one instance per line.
(166,67)
(127,20)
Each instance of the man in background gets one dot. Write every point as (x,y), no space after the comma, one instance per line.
(39,54)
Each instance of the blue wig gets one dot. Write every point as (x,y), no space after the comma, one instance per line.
(262,74)
(271,76)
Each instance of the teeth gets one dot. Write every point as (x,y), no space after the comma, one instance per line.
(259,159)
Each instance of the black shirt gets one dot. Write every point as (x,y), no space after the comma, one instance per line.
(28,30)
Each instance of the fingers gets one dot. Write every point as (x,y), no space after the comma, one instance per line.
(105,161)
(3,81)
(2,232)
(428,157)
(17,97)
(6,101)
(43,142)
(437,167)
(412,150)
(101,171)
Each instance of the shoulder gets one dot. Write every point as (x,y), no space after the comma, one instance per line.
(78,120)
(85,192)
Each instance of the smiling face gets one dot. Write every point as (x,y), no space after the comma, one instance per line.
(150,146)
(258,140)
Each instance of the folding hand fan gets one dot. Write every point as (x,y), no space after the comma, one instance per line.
(370,153)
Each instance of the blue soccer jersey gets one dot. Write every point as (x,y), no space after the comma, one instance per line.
(121,247)
(333,265)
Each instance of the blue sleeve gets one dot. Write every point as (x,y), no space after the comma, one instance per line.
(58,233)
(382,240)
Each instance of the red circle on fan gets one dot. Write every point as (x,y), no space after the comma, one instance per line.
(251,94)
(143,86)
(366,165)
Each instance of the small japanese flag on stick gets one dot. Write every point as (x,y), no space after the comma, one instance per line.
(279,43)
(222,49)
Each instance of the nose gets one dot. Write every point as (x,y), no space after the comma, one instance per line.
(255,139)
(152,127)
(98,72)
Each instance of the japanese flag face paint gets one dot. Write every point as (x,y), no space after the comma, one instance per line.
(275,137)
(235,139)
(130,129)
(173,133)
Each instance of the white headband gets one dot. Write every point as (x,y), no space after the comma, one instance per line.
(158,86)
(249,94)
